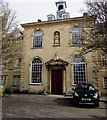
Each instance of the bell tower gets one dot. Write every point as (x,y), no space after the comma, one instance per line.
(61,10)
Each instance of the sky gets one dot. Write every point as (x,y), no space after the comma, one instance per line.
(31,10)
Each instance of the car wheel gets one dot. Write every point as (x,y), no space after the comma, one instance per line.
(75,103)
(96,104)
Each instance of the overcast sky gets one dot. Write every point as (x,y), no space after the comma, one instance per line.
(32,10)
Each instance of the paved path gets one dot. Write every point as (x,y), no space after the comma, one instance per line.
(48,106)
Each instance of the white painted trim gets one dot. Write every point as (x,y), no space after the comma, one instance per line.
(30,72)
(35,83)
(104,84)
(72,71)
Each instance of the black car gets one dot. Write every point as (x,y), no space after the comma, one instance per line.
(85,94)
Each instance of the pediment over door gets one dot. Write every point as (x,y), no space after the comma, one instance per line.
(56,62)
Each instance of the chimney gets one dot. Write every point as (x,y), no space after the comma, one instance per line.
(85,14)
(39,20)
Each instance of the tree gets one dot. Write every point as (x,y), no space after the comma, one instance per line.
(96,37)
(10,35)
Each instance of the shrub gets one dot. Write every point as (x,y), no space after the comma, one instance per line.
(8,91)
(24,91)
(16,91)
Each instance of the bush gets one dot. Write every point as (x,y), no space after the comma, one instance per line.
(16,91)
(8,91)
(24,91)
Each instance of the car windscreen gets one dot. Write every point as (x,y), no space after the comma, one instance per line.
(85,87)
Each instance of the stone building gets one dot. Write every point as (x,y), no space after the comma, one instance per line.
(102,60)
(11,60)
(51,62)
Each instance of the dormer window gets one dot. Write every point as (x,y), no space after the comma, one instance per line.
(50,17)
(65,15)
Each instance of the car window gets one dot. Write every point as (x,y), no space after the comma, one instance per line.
(85,87)
(91,87)
(82,87)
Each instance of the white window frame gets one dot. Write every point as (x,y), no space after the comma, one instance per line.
(104,59)
(82,63)
(17,62)
(65,15)
(16,80)
(79,36)
(104,86)
(39,38)
(50,17)
(3,80)
(38,83)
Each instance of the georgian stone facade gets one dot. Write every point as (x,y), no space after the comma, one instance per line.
(56,68)
(50,59)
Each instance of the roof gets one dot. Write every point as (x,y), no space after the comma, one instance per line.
(88,18)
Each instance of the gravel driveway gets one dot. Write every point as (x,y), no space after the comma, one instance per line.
(48,106)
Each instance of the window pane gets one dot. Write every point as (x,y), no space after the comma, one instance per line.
(36,71)
(16,80)
(3,79)
(37,40)
(105,82)
(79,69)
(17,62)
(77,36)
(104,59)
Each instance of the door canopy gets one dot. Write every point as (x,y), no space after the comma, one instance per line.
(56,62)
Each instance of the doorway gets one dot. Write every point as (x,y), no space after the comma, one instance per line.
(57,82)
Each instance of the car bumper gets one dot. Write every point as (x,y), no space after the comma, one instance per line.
(80,100)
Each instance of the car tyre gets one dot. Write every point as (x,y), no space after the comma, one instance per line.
(96,104)
(75,103)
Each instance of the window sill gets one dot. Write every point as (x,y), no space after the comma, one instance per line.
(56,45)
(37,48)
(76,46)
(35,84)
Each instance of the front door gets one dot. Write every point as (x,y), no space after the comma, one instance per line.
(56,84)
